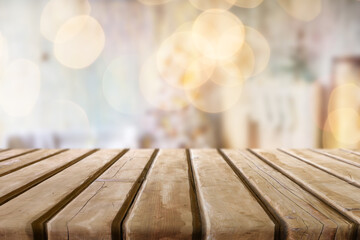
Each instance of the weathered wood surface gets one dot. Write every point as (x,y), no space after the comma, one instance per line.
(225,201)
(11,153)
(15,163)
(302,216)
(162,208)
(179,194)
(108,193)
(348,173)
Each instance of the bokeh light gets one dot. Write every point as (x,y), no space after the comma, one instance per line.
(344,96)
(213,98)
(121,87)
(154,2)
(158,92)
(305,10)
(57,12)
(19,87)
(222,29)
(180,63)
(212,4)
(79,42)
(248,3)
(237,68)
(346,133)
(260,48)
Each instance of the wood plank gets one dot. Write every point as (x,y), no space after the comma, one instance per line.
(302,215)
(162,209)
(11,153)
(81,218)
(346,172)
(340,155)
(229,210)
(21,216)
(17,182)
(353,151)
(337,193)
(16,163)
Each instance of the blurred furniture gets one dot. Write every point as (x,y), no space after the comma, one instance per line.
(274,114)
(179,194)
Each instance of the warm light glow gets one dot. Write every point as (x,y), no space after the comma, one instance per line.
(213,98)
(305,10)
(79,42)
(57,12)
(237,68)
(19,87)
(121,87)
(157,92)
(212,4)
(248,3)
(344,96)
(260,48)
(153,2)
(345,126)
(222,29)
(180,63)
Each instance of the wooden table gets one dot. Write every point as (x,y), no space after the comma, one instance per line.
(179,194)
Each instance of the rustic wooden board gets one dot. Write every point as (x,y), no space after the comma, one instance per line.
(81,219)
(340,155)
(19,181)
(162,209)
(228,208)
(335,192)
(302,216)
(179,194)
(348,173)
(11,153)
(25,213)
(16,163)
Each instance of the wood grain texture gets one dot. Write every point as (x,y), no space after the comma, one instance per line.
(162,208)
(17,215)
(348,173)
(16,163)
(179,194)
(335,192)
(302,216)
(81,219)
(11,153)
(340,155)
(31,175)
(229,210)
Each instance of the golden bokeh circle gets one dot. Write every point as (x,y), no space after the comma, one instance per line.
(181,64)
(223,31)
(79,42)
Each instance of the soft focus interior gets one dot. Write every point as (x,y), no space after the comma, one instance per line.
(179,73)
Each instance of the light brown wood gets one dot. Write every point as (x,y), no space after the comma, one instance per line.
(14,153)
(162,209)
(81,219)
(17,215)
(18,179)
(340,155)
(229,210)
(344,171)
(24,160)
(302,216)
(330,189)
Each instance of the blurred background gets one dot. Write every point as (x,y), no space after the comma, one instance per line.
(179,73)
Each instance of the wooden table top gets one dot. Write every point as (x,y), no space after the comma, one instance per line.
(179,194)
